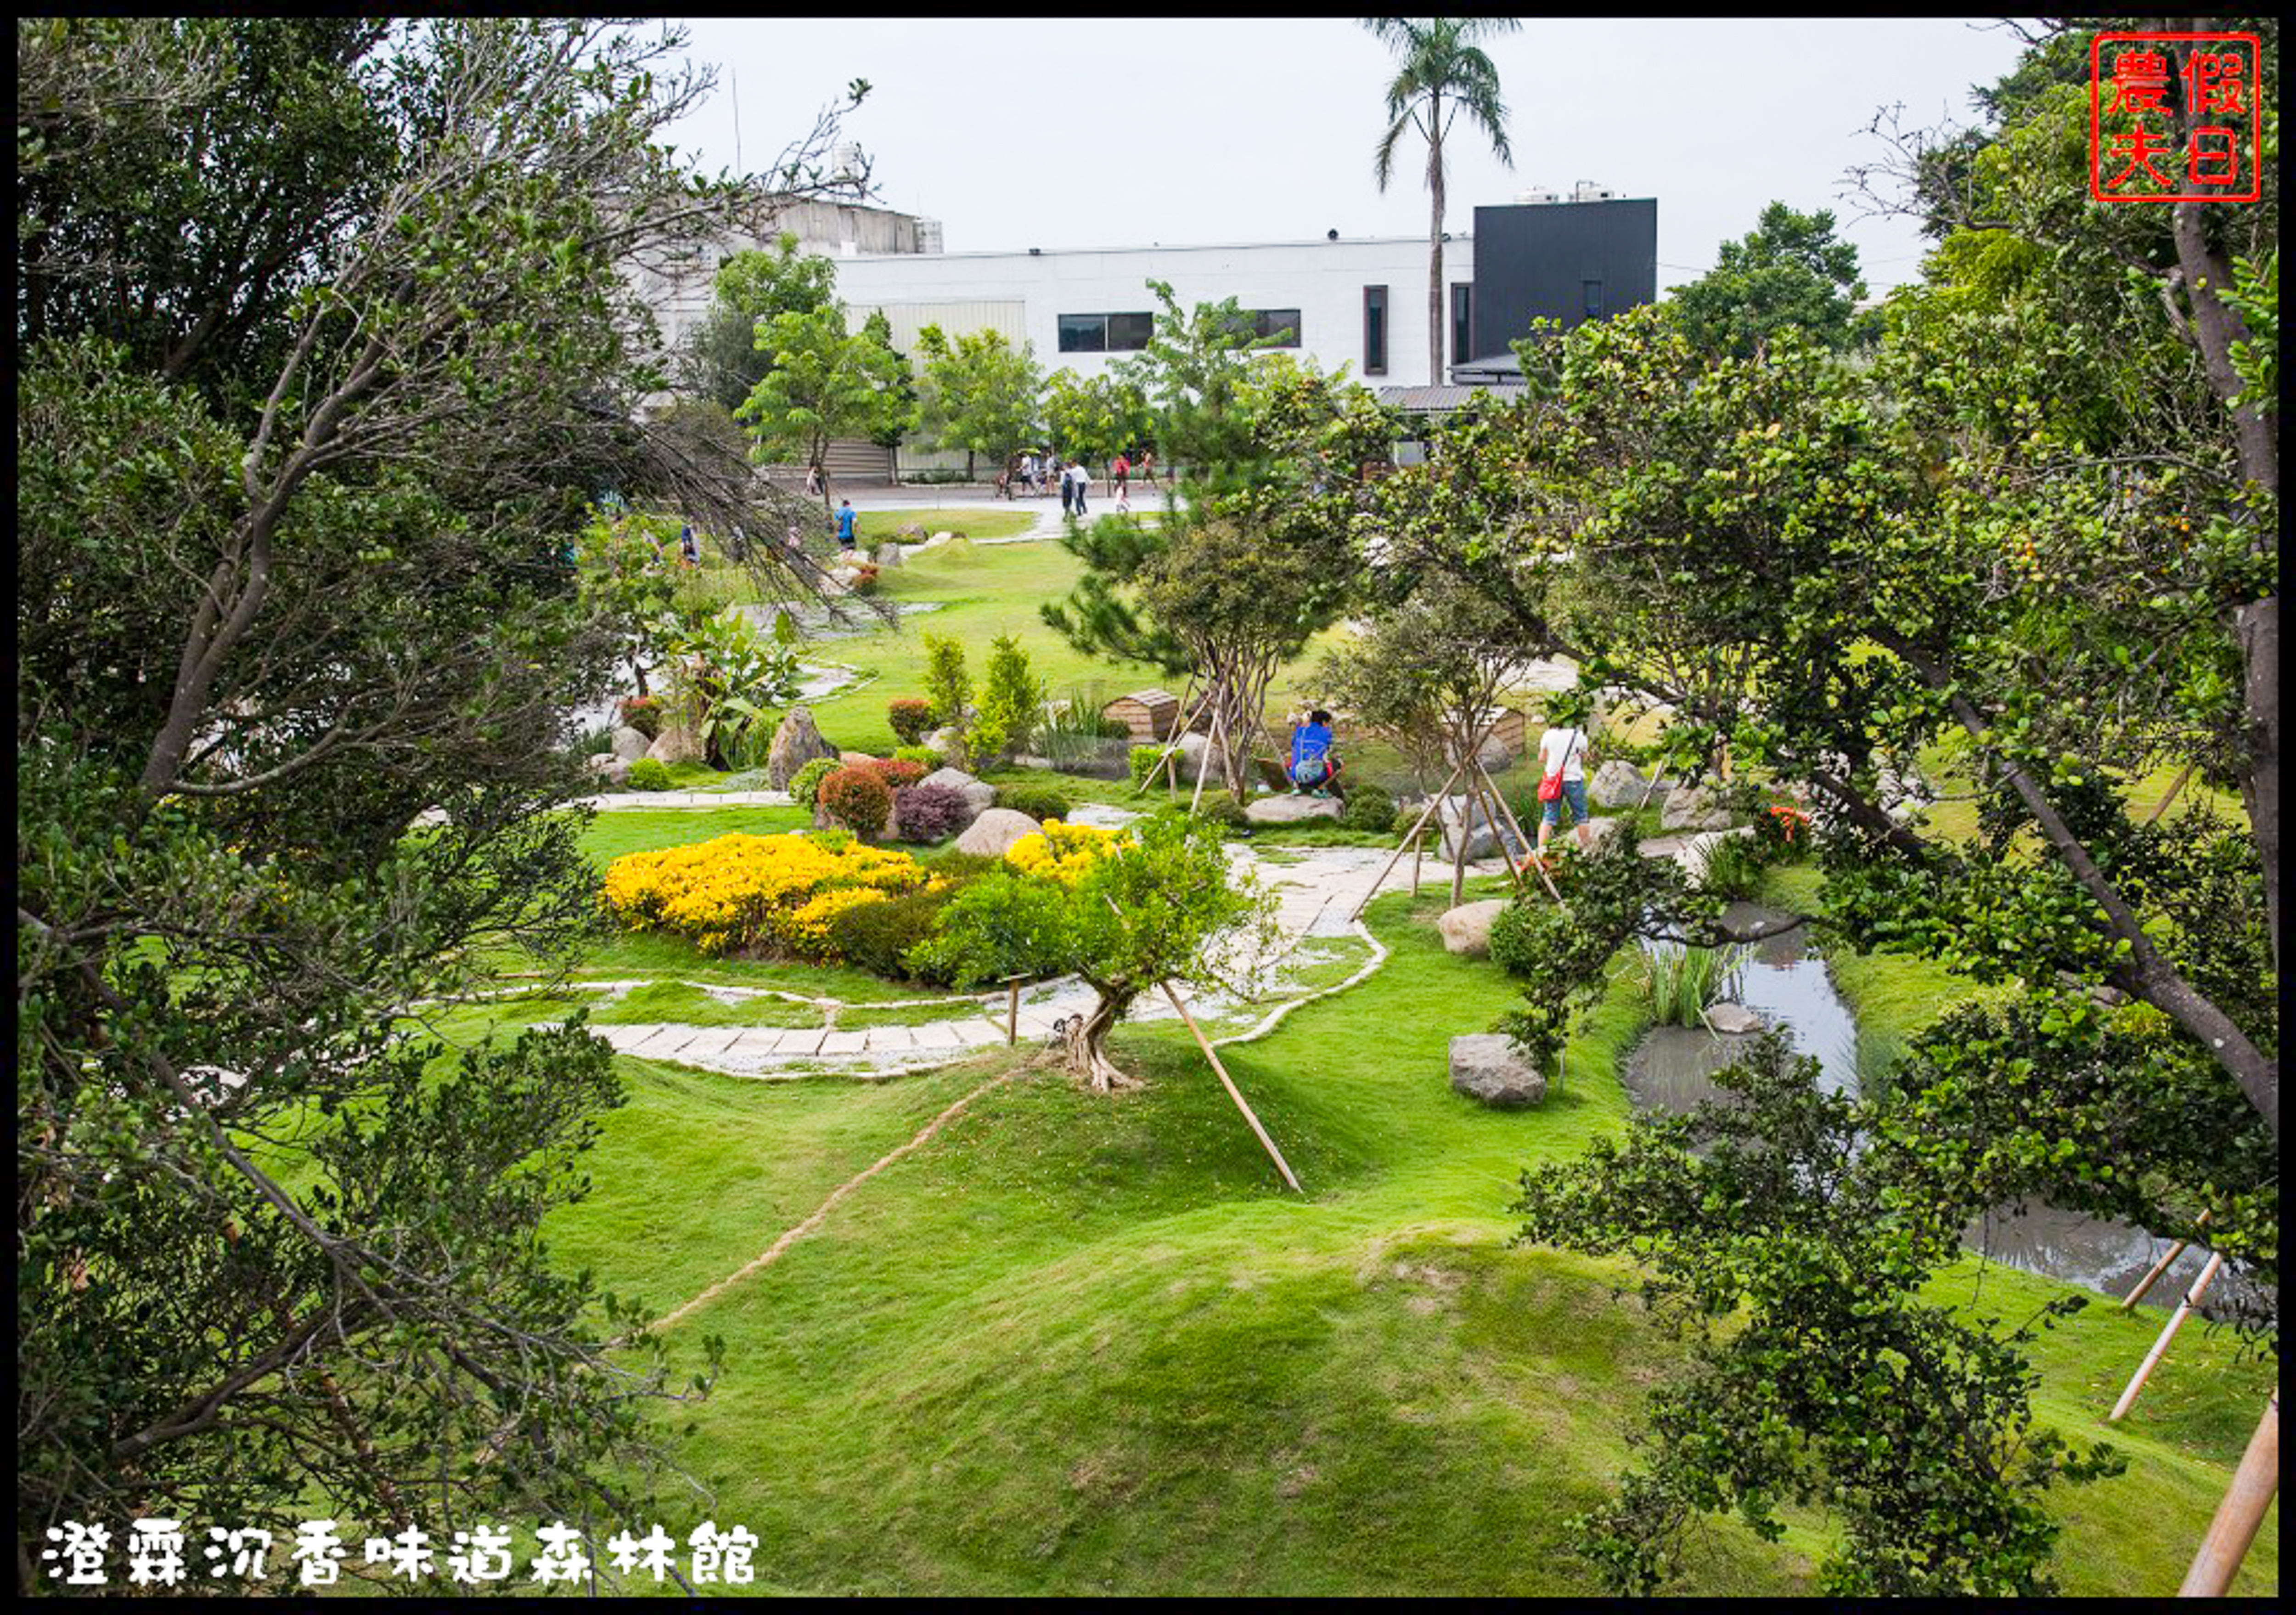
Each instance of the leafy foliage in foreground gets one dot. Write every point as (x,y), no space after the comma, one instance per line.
(1914,1424)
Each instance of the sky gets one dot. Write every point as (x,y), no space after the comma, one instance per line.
(1151,130)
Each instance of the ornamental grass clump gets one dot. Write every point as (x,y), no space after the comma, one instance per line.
(755,894)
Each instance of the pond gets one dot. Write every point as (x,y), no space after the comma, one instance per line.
(1672,1069)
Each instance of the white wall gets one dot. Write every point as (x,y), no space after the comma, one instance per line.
(1324,280)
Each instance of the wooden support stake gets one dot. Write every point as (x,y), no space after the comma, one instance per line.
(1410,840)
(1228,1082)
(2240,1513)
(1169,762)
(2161,1347)
(1530,846)
(1417,841)
(2128,1302)
(1211,747)
(1479,784)
(2175,786)
(1013,1015)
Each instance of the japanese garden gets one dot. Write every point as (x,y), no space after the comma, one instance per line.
(569,1008)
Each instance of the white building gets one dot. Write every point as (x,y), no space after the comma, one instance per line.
(1359,303)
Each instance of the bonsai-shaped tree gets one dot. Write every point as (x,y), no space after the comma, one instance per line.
(1147,911)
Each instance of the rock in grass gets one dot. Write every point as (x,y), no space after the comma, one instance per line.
(1292,809)
(1617,784)
(993,834)
(1467,929)
(979,795)
(796,743)
(676,744)
(1487,1067)
(1692,809)
(630,744)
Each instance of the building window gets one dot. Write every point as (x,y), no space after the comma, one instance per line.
(1374,330)
(1105,333)
(1462,330)
(1281,324)
(1594,289)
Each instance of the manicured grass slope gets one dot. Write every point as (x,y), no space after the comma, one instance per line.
(1082,1344)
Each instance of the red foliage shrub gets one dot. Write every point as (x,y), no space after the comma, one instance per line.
(858,798)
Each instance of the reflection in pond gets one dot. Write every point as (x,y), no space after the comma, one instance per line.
(1672,1069)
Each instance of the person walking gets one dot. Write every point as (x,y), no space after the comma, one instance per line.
(1148,467)
(1563,777)
(1117,477)
(1029,471)
(1083,485)
(1068,491)
(845,520)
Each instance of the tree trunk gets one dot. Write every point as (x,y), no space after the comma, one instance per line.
(1435,243)
(1088,1045)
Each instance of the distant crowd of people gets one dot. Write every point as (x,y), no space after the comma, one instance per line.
(1032,472)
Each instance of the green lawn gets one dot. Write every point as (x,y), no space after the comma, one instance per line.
(1083,1344)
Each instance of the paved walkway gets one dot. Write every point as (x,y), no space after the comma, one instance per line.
(1314,898)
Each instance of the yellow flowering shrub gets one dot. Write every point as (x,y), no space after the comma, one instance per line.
(1064,852)
(805,932)
(744,893)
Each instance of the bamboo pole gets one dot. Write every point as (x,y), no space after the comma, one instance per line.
(2161,1347)
(1409,840)
(1228,1082)
(1172,749)
(1416,841)
(2128,1302)
(1530,848)
(1479,786)
(2175,786)
(1211,747)
(2241,1512)
(1013,1014)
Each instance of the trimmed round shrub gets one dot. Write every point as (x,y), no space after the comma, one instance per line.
(1222,809)
(1405,818)
(641,713)
(805,785)
(950,864)
(930,812)
(1142,758)
(858,798)
(877,936)
(1515,941)
(649,774)
(1368,808)
(923,756)
(896,771)
(911,716)
(1039,802)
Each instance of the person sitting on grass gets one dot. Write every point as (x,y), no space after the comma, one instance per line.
(1315,767)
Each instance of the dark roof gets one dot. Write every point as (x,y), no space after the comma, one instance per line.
(1427,401)
(1494,369)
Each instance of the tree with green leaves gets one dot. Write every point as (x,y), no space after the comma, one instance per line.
(1228,586)
(1790,270)
(1439,72)
(721,360)
(330,347)
(1146,910)
(826,381)
(978,393)
(1095,417)
(1012,702)
(2032,542)
(1190,378)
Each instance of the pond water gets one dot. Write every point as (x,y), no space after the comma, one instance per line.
(1672,1069)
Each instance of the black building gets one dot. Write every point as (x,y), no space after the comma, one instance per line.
(1570,262)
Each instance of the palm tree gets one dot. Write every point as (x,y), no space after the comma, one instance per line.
(1438,62)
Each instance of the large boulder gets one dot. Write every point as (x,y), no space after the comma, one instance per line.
(1467,929)
(943,537)
(1486,1066)
(1692,809)
(978,796)
(1731,1020)
(609,769)
(1291,810)
(993,834)
(676,744)
(629,743)
(796,743)
(888,553)
(1197,757)
(1617,784)
(945,743)
(1463,818)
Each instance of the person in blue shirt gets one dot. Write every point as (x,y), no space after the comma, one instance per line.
(1314,767)
(845,519)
